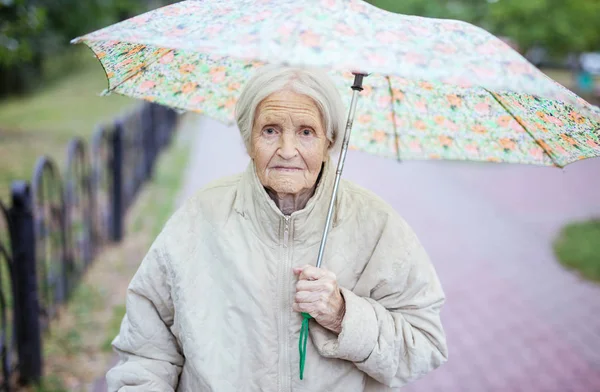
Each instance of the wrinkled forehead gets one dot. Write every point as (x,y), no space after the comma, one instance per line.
(287,106)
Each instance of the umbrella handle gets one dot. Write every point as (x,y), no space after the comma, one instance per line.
(357,88)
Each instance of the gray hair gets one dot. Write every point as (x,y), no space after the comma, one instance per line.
(311,82)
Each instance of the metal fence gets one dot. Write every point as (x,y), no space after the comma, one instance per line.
(57,223)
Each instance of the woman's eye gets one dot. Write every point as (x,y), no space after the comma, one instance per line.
(269,131)
(306,132)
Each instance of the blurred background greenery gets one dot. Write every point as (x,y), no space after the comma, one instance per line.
(33,34)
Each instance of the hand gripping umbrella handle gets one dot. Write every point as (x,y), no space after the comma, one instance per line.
(357,88)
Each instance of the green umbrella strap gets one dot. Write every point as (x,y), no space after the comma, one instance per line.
(303,340)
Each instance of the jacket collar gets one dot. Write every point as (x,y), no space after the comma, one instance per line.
(306,225)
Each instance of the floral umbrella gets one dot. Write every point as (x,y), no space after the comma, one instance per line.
(437,89)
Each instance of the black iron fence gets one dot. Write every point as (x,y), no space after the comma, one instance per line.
(58,222)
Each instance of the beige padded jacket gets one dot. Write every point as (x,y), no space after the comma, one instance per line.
(210,308)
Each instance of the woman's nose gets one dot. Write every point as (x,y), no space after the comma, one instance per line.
(287,147)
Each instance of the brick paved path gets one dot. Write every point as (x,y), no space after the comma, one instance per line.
(515,320)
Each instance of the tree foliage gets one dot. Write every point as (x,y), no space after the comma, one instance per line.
(32,30)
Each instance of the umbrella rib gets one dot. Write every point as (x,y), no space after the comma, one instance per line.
(523,126)
(396,134)
(145,66)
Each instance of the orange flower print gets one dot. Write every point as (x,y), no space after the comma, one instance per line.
(397,95)
(161,52)
(576,117)
(379,136)
(367,91)
(507,144)
(136,49)
(439,119)
(364,119)
(478,128)
(541,115)
(420,125)
(435,156)
(136,69)
(188,87)
(235,86)
(493,159)
(426,86)
(310,39)
(568,139)
(101,55)
(503,121)
(445,140)
(230,103)
(186,68)
(216,70)
(592,143)
(454,100)
(110,75)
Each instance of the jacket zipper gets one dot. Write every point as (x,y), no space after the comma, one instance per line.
(284,361)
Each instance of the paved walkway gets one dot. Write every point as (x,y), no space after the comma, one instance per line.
(515,320)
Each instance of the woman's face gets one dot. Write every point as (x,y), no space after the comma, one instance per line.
(288,143)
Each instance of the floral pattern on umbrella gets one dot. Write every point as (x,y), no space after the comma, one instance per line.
(452,113)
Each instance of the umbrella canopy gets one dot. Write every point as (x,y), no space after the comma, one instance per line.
(438,89)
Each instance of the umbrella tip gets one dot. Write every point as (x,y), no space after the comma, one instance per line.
(104,93)
(75,40)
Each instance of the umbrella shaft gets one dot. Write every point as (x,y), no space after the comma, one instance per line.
(340,167)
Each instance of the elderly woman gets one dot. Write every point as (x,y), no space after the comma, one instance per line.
(216,303)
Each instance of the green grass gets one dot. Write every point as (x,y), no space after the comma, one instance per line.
(155,206)
(92,318)
(578,248)
(43,122)
(113,327)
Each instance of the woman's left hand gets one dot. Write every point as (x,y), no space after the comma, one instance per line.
(318,294)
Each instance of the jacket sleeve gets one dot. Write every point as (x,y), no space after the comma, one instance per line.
(150,357)
(391,329)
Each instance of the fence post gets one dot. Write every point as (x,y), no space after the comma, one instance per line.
(117,185)
(149,140)
(27,307)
